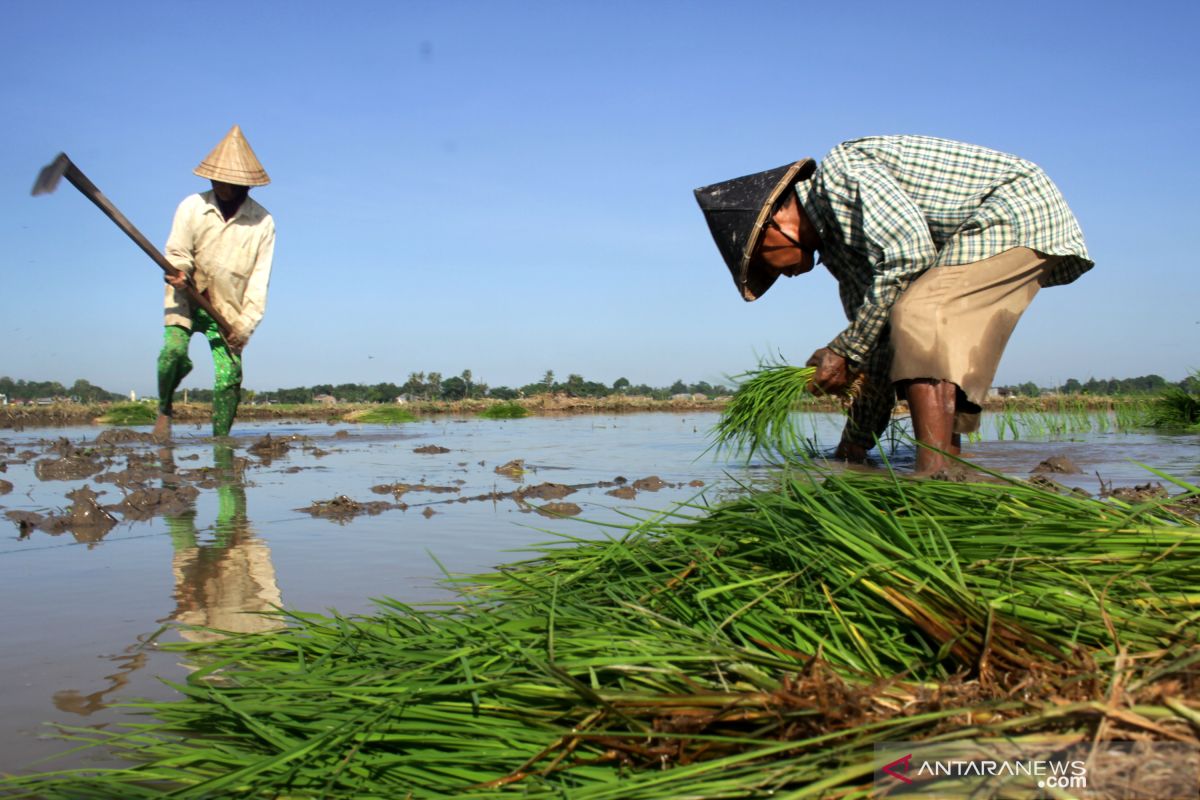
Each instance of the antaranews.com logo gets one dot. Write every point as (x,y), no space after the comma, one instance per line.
(1037,767)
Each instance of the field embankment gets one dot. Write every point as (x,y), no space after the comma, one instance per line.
(68,413)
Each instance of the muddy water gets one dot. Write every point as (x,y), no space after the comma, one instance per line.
(106,542)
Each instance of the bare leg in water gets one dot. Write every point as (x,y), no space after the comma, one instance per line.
(932,404)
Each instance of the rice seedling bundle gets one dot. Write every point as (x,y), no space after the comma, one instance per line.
(760,646)
(382,415)
(505,410)
(1175,408)
(130,414)
(759,418)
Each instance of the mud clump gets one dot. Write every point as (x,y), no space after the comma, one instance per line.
(623,492)
(513,469)
(544,491)
(115,436)
(1042,482)
(268,448)
(147,503)
(1141,493)
(558,510)
(85,518)
(343,509)
(86,513)
(651,484)
(139,470)
(75,466)
(399,489)
(1057,464)
(431,449)
(5,487)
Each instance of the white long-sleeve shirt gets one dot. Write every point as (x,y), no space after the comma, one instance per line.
(231,259)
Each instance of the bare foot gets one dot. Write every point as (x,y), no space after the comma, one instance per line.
(162,429)
(850,452)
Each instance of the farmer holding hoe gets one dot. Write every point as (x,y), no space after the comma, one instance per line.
(937,247)
(221,242)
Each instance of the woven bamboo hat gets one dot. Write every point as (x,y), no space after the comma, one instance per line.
(737,211)
(232,161)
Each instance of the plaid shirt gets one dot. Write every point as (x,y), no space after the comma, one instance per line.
(887,208)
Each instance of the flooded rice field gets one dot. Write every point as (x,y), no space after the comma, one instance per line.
(110,540)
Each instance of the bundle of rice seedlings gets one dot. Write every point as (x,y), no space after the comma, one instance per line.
(759,418)
(760,647)
(381,415)
(505,410)
(130,414)
(1175,408)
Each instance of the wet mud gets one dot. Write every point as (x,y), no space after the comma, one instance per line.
(343,508)
(129,477)
(1059,464)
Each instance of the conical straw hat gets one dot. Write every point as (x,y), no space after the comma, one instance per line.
(232,161)
(737,211)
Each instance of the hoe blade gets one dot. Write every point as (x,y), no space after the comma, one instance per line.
(48,178)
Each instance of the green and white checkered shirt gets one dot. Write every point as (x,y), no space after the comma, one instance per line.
(887,208)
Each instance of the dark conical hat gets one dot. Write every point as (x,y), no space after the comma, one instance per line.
(232,161)
(737,211)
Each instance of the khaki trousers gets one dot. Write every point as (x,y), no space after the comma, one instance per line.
(953,323)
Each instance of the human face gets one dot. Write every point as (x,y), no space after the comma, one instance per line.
(786,244)
(230,193)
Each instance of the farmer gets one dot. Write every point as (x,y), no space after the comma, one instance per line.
(222,243)
(937,247)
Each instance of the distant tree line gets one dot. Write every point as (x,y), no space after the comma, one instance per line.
(80,390)
(435,386)
(1144,384)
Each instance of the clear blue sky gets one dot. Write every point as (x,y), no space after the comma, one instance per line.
(506,187)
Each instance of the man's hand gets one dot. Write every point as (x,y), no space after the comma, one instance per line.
(178,278)
(833,374)
(235,342)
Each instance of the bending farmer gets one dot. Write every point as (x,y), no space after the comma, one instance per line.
(222,242)
(937,247)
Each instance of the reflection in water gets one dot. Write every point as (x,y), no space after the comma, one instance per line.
(134,658)
(226,582)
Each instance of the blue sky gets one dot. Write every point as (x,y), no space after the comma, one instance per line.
(506,187)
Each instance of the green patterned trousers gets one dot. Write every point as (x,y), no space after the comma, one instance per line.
(174,365)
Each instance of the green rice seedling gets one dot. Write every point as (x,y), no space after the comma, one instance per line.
(1131,414)
(1175,408)
(130,414)
(759,417)
(382,414)
(505,410)
(758,648)
(1006,424)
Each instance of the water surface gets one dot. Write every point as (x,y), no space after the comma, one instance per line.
(80,618)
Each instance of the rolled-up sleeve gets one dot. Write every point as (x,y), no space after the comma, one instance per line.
(180,251)
(254,301)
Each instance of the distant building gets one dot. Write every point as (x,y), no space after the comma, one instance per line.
(325,399)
